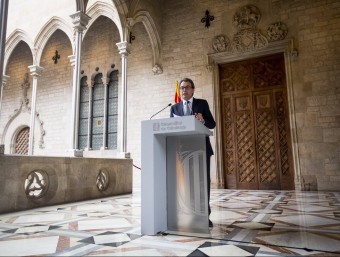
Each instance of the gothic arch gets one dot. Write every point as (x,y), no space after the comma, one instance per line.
(81,5)
(46,32)
(121,7)
(145,18)
(19,120)
(13,40)
(109,11)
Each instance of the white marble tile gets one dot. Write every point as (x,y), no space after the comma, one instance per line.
(111,238)
(39,218)
(307,220)
(29,246)
(252,225)
(160,243)
(226,215)
(303,240)
(103,224)
(249,198)
(98,214)
(308,207)
(146,252)
(236,205)
(96,207)
(225,250)
(33,229)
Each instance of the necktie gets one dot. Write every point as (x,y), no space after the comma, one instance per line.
(187,110)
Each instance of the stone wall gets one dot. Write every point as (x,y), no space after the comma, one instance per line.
(28,182)
(313,26)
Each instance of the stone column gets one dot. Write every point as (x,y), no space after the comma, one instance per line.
(124,52)
(35,73)
(3,28)
(4,81)
(79,20)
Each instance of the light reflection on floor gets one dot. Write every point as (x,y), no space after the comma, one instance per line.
(246,223)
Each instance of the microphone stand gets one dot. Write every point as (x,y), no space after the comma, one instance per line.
(160,111)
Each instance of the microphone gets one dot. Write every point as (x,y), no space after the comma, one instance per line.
(160,111)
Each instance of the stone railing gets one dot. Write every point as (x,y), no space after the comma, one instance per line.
(29,181)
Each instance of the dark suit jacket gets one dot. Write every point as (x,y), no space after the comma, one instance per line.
(198,106)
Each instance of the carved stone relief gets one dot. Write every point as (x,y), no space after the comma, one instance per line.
(36,184)
(24,107)
(246,17)
(221,43)
(277,31)
(103,180)
(248,37)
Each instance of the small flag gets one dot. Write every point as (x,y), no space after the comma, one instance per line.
(177,94)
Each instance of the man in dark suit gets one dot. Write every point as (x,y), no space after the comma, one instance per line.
(200,108)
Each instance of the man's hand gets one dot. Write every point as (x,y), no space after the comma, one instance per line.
(199,117)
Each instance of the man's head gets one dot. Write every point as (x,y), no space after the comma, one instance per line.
(187,88)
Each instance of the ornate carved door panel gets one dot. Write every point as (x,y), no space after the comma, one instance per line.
(256,139)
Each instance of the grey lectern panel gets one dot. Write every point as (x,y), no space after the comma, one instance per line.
(154,159)
(187,202)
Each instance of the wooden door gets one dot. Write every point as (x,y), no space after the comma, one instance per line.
(255,134)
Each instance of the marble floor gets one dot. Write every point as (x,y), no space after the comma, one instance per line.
(246,223)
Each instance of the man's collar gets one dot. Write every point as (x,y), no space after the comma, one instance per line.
(191,99)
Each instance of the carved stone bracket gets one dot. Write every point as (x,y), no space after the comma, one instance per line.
(156,69)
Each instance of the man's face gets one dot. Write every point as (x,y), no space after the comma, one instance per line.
(186,90)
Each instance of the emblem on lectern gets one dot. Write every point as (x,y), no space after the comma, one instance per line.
(156,127)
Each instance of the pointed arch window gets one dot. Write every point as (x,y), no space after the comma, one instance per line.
(98,103)
(84,106)
(112,104)
(98,112)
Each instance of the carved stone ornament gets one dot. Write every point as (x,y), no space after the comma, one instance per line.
(25,108)
(24,87)
(157,70)
(221,43)
(247,17)
(103,180)
(248,39)
(36,184)
(277,31)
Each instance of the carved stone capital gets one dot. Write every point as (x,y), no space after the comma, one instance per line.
(72,59)
(124,48)
(5,78)
(209,67)
(80,21)
(35,70)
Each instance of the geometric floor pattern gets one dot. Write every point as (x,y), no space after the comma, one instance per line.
(246,223)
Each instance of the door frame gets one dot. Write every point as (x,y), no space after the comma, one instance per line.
(284,46)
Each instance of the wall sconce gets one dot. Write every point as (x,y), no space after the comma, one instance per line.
(56,57)
(132,37)
(207,19)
